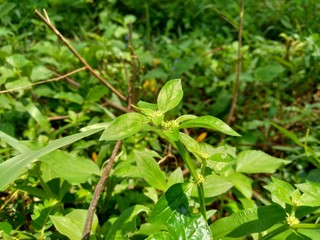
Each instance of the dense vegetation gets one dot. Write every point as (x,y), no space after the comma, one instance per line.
(91,119)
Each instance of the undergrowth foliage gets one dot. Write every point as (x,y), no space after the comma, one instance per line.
(125,153)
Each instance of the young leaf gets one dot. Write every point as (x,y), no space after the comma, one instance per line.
(12,168)
(40,217)
(281,190)
(124,126)
(126,222)
(182,225)
(173,198)
(149,169)
(170,95)
(209,122)
(253,161)
(248,221)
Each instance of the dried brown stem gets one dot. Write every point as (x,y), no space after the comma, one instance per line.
(98,191)
(239,63)
(46,20)
(44,81)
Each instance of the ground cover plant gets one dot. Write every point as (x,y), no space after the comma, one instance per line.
(119,126)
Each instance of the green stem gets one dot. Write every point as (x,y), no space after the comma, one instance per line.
(190,165)
(307,226)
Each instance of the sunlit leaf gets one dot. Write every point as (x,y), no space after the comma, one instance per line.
(170,95)
(185,226)
(173,198)
(149,169)
(254,161)
(247,222)
(209,122)
(12,168)
(124,126)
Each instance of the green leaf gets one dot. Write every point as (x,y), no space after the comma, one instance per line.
(190,144)
(173,198)
(72,224)
(17,61)
(5,227)
(36,115)
(170,95)
(214,185)
(69,166)
(242,183)
(209,122)
(19,84)
(149,169)
(40,217)
(124,126)
(281,190)
(182,225)
(248,221)
(126,222)
(253,161)
(69,96)
(40,73)
(175,177)
(14,143)
(12,168)
(160,236)
(311,193)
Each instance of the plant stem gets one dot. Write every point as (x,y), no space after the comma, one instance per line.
(239,62)
(186,158)
(97,192)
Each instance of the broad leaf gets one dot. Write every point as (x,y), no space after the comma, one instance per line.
(182,225)
(126,222)
(69,166)
(170,95)
(311,193)
(209,122)
(175,177)
(214,185)
(242,183)
(173,198)
(149,169)
(124,126)
(72,224)
(12,168)
(253,161)
(281,190)
(247,222)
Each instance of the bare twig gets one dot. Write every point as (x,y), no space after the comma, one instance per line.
(116,106)
(72,82)
(46,20)
(98,191)
(55,118)
(239,62)
(44,81)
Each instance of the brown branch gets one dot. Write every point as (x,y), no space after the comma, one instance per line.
(116,106)
(46,20)
(239,62)
(98,191)
(45,81)
(72,82)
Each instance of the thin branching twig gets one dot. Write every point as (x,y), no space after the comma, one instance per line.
(46,20)
(44,81)
(239,63)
